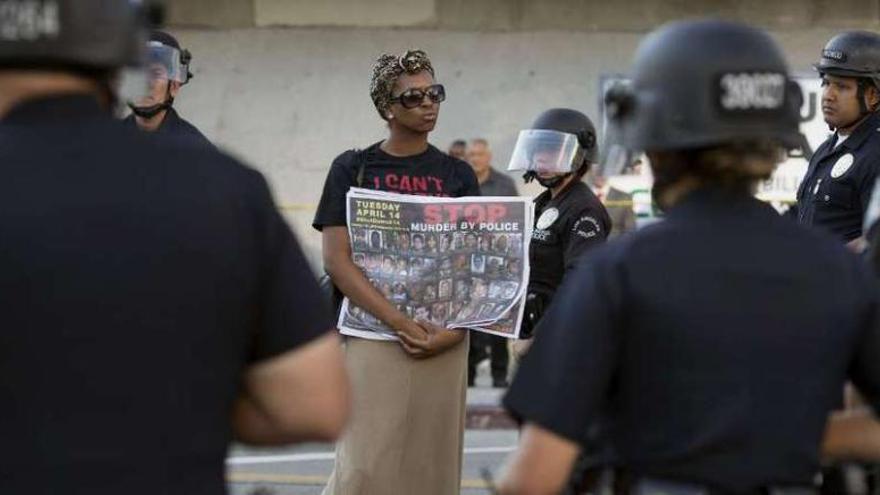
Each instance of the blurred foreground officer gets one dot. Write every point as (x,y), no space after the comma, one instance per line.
(168,70)
(150,311)
(837,187)
(712,340)
(558,151)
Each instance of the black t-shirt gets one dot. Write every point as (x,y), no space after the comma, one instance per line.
(717,341)
(432,173)
(138,278)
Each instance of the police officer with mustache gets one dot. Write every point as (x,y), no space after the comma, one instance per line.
(837,187)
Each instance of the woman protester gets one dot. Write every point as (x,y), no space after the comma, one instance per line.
(406,434)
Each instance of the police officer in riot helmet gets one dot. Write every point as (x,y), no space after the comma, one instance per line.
(835,191)
(703,339)
(557,151)
(128,330)
(168,70)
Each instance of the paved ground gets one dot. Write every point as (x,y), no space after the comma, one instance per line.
(303,470)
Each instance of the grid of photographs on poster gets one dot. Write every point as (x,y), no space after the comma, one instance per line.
(432,276)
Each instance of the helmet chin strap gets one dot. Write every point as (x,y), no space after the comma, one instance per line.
(553,182)
(549,183)
(153,110)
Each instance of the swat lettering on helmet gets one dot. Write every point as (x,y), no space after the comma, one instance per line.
(750,92)
(834,55)
(29,20)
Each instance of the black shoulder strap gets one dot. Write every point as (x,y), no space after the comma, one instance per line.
(365,157)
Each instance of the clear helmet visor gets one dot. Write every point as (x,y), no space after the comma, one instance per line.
(620,160)
(616,158)
(164,63)
(546,151)
(132,84)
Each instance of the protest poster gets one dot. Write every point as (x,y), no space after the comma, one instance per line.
(455,262)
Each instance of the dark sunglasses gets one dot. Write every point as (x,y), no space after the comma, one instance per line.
(412,98)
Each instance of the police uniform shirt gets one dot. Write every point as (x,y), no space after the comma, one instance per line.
(431,173)
(837,187)
(138,279)
(498,184)
(718,339)
(175,126)
(565,227)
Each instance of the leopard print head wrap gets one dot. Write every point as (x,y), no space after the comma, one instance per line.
(388,68)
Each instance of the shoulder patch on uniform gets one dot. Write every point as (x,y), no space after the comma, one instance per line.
(842,166)
(547,218)
(586,227)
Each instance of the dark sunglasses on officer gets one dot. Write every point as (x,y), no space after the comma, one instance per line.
(414,97)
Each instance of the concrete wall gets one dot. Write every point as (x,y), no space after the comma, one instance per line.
(289,100)
(211,13)
(376,13)
(516,15)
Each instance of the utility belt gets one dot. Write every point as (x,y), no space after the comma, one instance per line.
(622,484)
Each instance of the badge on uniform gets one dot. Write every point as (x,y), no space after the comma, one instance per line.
(547,218)
(842,166)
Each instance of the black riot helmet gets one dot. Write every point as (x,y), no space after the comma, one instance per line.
(699,84)
(570,122)
(853,54)
(82,35)
(561,141)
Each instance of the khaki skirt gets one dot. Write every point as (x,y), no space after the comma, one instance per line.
(406,433)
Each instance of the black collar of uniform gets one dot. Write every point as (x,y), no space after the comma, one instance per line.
(861,133)
(717,200)
(545,198)
(58,108)
(170,119)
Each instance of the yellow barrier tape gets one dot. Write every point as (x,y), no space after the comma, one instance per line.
(298,207)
